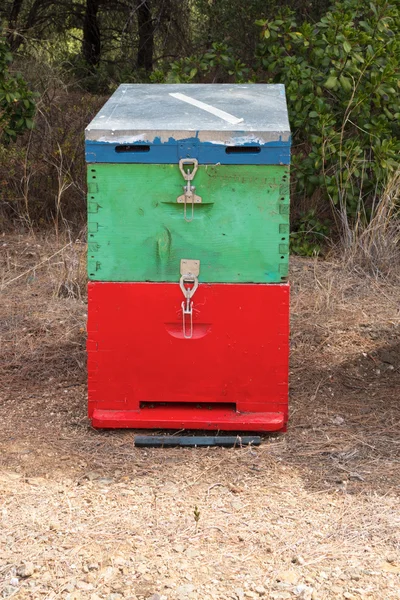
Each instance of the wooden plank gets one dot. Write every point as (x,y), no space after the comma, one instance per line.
(196,441)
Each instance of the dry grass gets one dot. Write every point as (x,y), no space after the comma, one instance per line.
(43,173)
(372,244)
(97,516)
(40,332)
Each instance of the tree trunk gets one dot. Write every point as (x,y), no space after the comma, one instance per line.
(146,36)
(91,44)
(13,38)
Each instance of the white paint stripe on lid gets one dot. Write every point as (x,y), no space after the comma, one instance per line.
(211,109)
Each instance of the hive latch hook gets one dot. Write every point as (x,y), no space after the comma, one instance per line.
(189,283)
(188,197)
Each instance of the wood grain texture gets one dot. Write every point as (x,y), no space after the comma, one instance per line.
(137,232)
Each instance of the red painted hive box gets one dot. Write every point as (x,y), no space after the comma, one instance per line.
(232,374)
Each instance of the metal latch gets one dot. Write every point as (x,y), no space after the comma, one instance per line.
(190,270)
(188,197)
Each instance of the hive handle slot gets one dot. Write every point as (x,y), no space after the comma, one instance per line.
(242,150)
(132,148)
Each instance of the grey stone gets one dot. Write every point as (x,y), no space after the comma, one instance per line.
(26,570)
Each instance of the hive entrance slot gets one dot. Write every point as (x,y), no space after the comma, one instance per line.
(132,148)
(242,149)
(189,405)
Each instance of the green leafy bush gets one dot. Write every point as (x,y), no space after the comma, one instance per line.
(17,102)
(342,84)
(309,235)
(216,65)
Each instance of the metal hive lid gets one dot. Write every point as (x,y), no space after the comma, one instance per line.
(220,113)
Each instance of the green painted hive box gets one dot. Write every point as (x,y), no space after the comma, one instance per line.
(189,171)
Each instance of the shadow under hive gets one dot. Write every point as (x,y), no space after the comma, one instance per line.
(188,245)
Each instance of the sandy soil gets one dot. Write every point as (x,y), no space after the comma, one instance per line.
(310,514)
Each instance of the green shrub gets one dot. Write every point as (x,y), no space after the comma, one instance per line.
(342,84)
(217,65)
(309,235)
(17,104)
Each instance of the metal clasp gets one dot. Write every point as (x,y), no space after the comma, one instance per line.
(190,270)
(188,196)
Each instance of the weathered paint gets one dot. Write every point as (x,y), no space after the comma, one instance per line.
(207,153)
(232,374)
(198,121)
(154,110)
(137,231)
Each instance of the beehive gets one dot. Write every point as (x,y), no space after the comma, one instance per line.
(188,243)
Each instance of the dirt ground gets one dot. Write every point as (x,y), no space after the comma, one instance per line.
(310,514)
